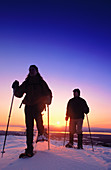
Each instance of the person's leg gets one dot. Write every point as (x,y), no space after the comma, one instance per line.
(80,145)
(72,130)
(29,119)
(80,135)
(71,138)
(39,123)
(38,119)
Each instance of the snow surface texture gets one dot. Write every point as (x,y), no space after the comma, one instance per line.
(57,158)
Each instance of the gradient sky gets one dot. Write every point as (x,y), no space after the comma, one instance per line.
(70,42)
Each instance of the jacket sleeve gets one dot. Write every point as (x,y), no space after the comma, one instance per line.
(85,107)
(20,90)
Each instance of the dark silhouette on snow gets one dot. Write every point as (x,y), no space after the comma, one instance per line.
(76,108)
(37,96)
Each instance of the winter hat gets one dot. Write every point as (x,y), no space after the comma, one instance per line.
(34,66)
(77,90)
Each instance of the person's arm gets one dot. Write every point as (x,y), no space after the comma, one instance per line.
(85,108)
(18,90)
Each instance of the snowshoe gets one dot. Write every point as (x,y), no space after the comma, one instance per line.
(42,138)
(69,145)
(26,155)
(45,136)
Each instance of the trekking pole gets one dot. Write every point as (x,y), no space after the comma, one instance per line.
(48,127)
(65,134)
(7,125)
(90,132)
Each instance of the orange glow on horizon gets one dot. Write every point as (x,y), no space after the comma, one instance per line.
(99,115)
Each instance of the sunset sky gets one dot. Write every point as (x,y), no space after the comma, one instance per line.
(70,42)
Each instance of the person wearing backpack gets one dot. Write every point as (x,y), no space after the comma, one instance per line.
(76,108)
(37,95)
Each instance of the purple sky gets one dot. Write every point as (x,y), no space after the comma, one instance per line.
(69,41)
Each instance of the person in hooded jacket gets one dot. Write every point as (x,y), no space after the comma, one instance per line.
(37,96)
(76,108)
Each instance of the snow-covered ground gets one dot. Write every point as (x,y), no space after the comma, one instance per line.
(57,158)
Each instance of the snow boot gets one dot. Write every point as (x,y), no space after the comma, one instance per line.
(80,146)
(39,138)
(25,155)
(45,137)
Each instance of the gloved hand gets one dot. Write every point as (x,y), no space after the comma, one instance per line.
(15,84)
(66,118)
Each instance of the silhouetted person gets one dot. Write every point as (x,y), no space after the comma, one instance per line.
(76,108)
(37,96)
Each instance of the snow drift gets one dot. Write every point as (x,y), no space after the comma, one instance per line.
(57,158)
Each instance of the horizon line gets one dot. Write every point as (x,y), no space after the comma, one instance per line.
(55,126)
